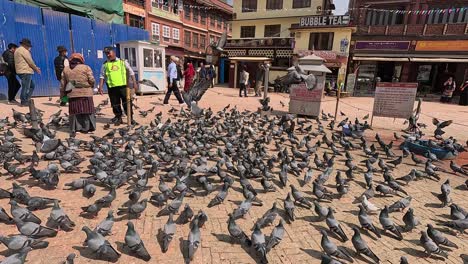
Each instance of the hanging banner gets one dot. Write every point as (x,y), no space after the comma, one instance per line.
(394,99)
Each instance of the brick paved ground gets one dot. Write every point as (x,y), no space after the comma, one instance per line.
(301,243)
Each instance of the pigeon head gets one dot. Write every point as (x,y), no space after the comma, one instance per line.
(324,233)
(130,225)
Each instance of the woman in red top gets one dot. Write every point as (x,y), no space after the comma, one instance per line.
(189,73)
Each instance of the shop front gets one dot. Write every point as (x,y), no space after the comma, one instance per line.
(327,37)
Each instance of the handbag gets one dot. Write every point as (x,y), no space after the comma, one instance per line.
(69,87)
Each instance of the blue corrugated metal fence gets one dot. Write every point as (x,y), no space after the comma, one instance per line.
(48,29)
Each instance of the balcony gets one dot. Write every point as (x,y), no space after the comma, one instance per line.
(415,30)
(260,43)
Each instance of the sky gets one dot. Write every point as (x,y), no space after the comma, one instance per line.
(341,6)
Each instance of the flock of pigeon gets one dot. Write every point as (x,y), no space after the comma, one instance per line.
(211,155)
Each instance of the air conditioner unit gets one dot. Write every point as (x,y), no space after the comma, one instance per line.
(155,37)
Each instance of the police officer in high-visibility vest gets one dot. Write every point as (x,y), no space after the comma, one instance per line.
(118,75)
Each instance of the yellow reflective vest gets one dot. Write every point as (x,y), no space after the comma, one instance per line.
(116,73)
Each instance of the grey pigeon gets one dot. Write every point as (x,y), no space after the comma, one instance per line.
(186,215)
(289,208)
(321,211)
(457,212)
(34,230)
(17,258)
(236,232)
(105,226)
(335,226)
(244,207)
(459,225)
(331,249)
(400,204)
(430,247)
(299,197)
(366,221)
(172,207)
(361,246)
(439,238)
(70,259)
(58,218)
(194,239)
(220,196)
(99,245)
(276,236)
(168,233)
(259,243)
(4,217)
(388,225)
(268,217)
(19,242)
(135,209)
(134,243)
(325,259)
(410,220)
(23,213)
(403,260)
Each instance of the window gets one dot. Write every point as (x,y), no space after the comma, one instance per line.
(165,5)
(157,58)
(130,56)
(175,7)
(247,32)
(195,40)
(187,38)
(154,31)
(137,2)
(301,3)
(166,33)
(321,41)
(202,41)
(195,15)
(154,3)
(175,35)
(148,58)
(187,12)
(274,4)
(203,17)
(272,31)
(136,21)
(249,5)
(218,25)
(212,20)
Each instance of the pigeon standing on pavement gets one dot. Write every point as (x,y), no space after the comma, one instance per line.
(134,243)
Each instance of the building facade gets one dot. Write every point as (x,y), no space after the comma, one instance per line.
(285,30)
(422,41)
(186,27)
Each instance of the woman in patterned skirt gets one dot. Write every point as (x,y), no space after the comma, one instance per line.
(80,94)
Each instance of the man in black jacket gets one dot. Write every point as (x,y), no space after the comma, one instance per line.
(10,74)
(60,62)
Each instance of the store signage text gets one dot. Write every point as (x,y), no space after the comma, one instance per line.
(324,21)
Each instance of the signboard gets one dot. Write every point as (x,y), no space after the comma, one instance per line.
(324,21)
(453,45)
(394,99)
(304,101)
(327,55)
(382,45)
(134,10)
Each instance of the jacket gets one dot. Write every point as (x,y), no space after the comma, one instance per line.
(244,78)
(24,62)
(82,77)
(9,58)
(60,62)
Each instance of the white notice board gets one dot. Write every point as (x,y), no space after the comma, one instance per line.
(394,99)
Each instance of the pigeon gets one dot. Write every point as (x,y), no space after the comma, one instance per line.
(331,249)
(99,245)
(335,226)
(34,230)
(410,220)
(168,233)
(321,211)
(400,205)
(236,232)
(368,206)
(135,209)
(105,226)
(459,225)
(366,221)
(387,223)
(439,238)
(194,239)
(403,260)
(430,247)
(186,215)
(385,190)
(244,207)
(4,217)
(70,258)
(457,213)
(416,160)
(172,207)
(276,236)
(18,242)
(289,208)
(58,218)
(269,216)
(259,243)
(457,169)
(17,258)
(299,197)
(134,243)
(220,196)
(361,246)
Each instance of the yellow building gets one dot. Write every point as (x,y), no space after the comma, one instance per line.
(284,30)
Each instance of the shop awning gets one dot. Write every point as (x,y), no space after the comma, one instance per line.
(438,60)
(316,68)
(361,58)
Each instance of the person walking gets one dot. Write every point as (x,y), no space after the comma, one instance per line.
(202,74)
(25,68)
(180,74)
(259,76)
(60,62)
(189,74)
(10,73)
(211,74)
(464,94)
(244,81)
(118,75)
(172,81)
(449,87)
(77,83)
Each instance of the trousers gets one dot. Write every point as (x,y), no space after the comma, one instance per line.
(170,89)
(13,86)
(27,87)
(243,87)
(118,99)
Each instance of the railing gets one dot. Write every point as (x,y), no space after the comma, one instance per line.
(260,43)
(415,29)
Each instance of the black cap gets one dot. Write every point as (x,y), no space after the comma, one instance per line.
(12,45)
(26,42)
(61,48)
(108,49)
